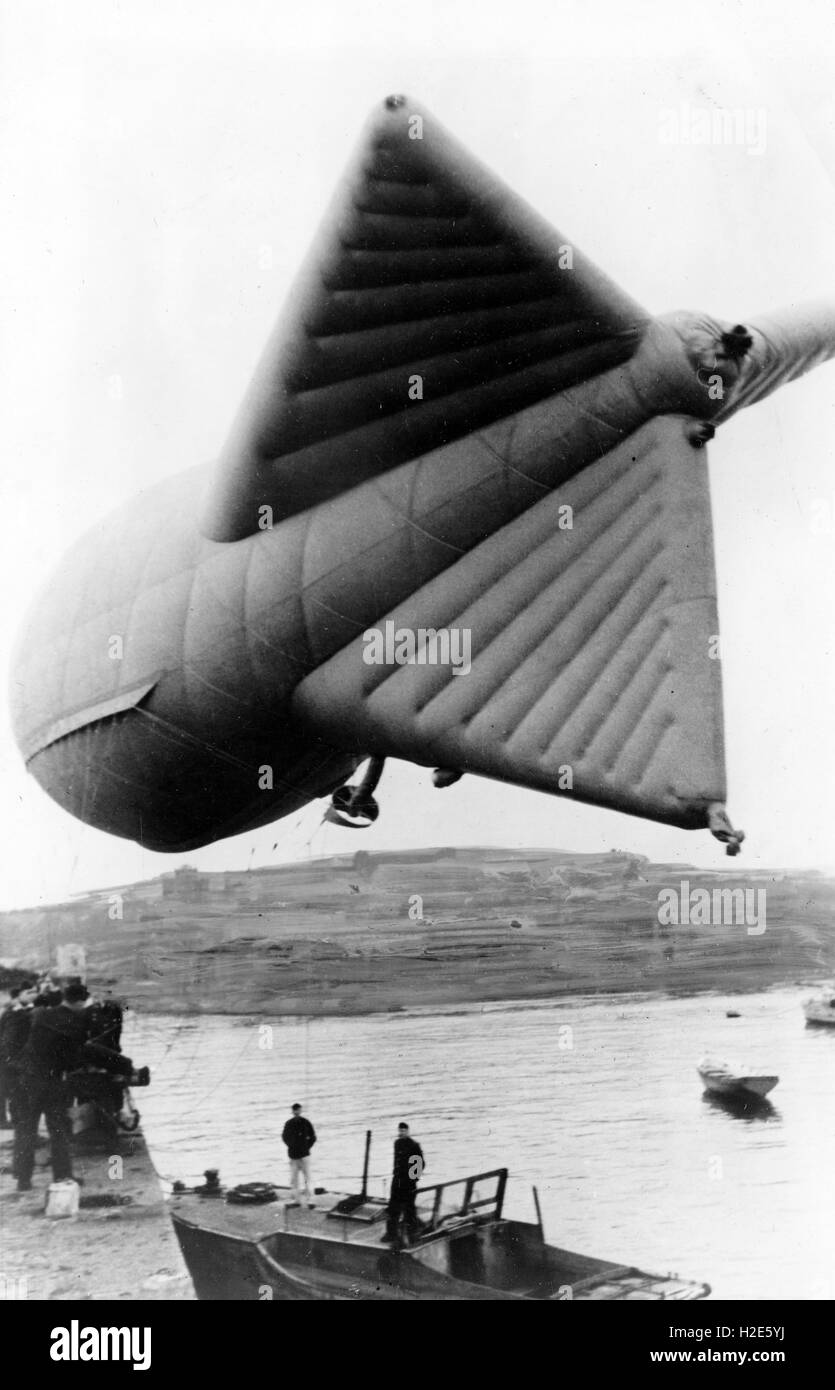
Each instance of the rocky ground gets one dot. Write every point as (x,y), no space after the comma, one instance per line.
(126,1251)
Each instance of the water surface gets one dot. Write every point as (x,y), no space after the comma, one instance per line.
(596,1101)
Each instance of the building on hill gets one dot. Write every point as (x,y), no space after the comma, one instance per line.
(185,882)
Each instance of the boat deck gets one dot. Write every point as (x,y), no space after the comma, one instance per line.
(256,1223)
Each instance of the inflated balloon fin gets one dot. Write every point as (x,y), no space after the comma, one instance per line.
(587,652)
(433,302)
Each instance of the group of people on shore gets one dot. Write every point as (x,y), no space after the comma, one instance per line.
(57,1045)
(299,1136)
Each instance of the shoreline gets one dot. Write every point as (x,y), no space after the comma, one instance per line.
(494,1004)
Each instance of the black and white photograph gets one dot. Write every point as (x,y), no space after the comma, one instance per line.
(418,777)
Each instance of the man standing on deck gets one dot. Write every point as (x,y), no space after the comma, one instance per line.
(299,1136)
(409,1164)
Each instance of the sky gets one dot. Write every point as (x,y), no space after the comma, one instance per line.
(164,169)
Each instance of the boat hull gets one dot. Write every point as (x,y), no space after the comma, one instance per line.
(820,1011)
(238,1255)
(738,1086)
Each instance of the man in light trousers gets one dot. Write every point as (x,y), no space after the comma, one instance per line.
(299,1136)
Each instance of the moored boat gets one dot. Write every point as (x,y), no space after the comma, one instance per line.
(334,1250)
(821,1009)
(724,1080)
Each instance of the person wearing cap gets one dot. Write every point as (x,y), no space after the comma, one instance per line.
(58,1043)
(299,1136)
(47,993)
(409,1165)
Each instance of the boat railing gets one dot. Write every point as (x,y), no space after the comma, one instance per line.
(446,1203)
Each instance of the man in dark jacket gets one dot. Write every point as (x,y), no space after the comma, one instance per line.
(409,1165)
(14,1030)
(58,1043)
(299,1136)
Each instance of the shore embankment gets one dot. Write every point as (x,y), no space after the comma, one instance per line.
(121,1245)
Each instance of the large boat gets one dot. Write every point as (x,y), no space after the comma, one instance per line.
(821,1009)
(334,1250)
(739,1082)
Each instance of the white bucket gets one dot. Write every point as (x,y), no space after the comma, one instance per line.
(62,1198)
(82,1117)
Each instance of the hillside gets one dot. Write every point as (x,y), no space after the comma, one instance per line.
(366,932)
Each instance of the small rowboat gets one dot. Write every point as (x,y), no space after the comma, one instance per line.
(821,1009)
(723,1080)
